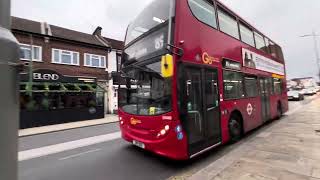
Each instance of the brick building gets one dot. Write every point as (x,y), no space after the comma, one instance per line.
(85,57)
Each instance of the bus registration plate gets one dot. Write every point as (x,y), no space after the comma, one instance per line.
(139,144)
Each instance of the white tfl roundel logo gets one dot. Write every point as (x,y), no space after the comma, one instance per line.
(249,109)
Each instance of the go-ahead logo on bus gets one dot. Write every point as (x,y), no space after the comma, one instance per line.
(134,121)
(209,59)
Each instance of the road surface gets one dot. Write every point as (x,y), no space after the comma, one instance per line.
(111,158)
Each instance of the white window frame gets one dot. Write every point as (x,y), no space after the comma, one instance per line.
(100,59)
(33,46)
(60,57)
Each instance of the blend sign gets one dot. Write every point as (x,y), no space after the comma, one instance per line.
(256,61)
(45,75)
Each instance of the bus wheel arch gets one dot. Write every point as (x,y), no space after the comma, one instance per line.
(235,126)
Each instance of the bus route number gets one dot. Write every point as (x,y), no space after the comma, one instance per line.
(159,42)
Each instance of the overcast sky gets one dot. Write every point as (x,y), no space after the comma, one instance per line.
(281,20)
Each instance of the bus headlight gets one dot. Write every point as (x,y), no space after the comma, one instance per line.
(163,132)
(167,127)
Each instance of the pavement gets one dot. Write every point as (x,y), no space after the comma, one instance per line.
(109,118)
(287,150)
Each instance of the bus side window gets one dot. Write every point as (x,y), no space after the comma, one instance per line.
(273,50)
(251,86)
(260,42)
(228,24)
(203,11)
(277,89)
(279,53)
(233,86)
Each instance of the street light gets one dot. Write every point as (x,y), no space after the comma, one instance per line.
(314,36)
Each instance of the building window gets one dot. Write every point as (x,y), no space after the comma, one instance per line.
(203,11)
(251,86)
(118,62)
(246,35)
(228,24)
(65,57)
(25,52)
(233,86)
(92,60)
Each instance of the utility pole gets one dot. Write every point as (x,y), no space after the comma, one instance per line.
(9,101)
(316,50)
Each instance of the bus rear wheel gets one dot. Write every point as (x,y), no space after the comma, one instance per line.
(235,128)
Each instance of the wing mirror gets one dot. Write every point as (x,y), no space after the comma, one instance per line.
(167,66)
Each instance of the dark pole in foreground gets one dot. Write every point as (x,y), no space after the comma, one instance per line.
(9,101)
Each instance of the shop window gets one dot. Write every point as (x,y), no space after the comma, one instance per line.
(228,24)
(91,60)
(55,87)
(38,87)
(233,86)
(65,57)
(86,87)
(251,86)
(25,52)
(100,98)
(204,12)
(246,35)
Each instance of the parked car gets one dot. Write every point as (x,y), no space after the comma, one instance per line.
(295,94)
(303,91)
(311,91)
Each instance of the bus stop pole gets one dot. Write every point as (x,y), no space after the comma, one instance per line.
(9,101)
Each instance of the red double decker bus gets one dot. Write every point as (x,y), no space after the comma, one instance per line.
(194,75)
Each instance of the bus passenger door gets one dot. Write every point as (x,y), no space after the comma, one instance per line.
(265,99)
(211,106)
(202,121)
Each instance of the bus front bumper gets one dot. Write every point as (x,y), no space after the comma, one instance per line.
(169,146)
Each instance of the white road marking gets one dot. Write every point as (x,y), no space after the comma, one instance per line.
(79,154)
(47,150)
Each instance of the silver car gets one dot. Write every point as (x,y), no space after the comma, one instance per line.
(295,94)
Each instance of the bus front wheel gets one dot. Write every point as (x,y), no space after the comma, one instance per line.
(235,128)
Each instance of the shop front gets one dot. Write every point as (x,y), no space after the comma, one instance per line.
(48,98)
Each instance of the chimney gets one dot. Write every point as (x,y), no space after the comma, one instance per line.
(100,38)
(97,31)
